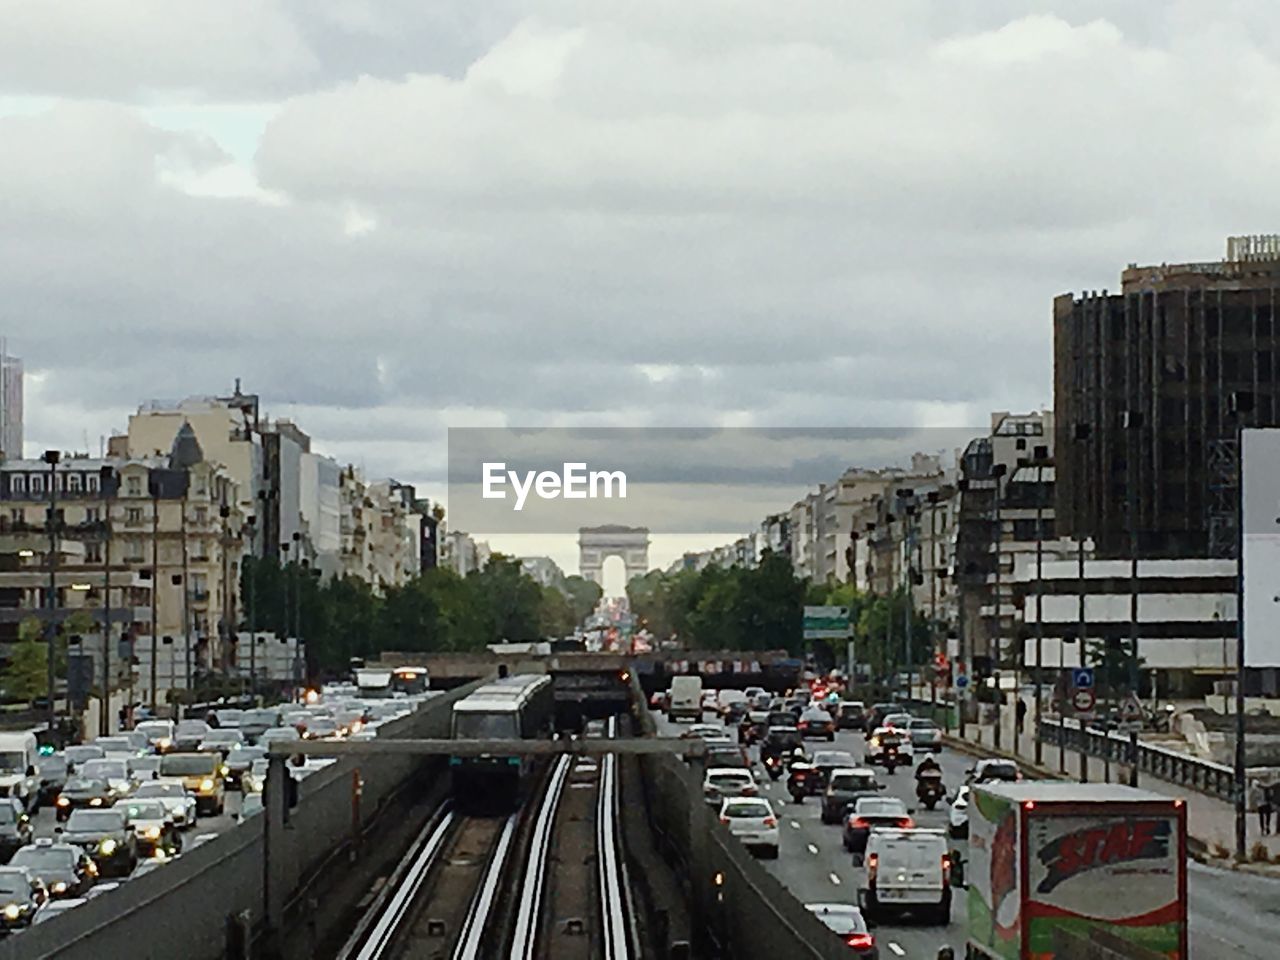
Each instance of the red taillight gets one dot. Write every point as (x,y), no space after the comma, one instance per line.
(860,941)
(946,869)
(804,725)
(858,823)
(724,819)
(873,864)
(906,823)
(749,790)
(770,821)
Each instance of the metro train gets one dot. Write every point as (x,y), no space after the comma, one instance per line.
(520,707)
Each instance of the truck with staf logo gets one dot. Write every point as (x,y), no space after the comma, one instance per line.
(1056,869)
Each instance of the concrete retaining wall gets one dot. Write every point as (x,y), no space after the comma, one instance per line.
(183,909)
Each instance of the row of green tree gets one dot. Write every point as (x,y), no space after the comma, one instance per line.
(439,610)
(762,608)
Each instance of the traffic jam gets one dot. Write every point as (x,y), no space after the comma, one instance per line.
(862,814)
(77,822)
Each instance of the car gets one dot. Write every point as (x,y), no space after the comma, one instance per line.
(106,837)
(752,821)
(228,718)
(850,925)
(255,778)
(816,722)
(82,792)
(899,720)
(279,735)
(254,723)
(53,771)
(851,714)
(142,769)
(708,701)
(188,734)
(15,827)
(118,748)
(727,755)
(877,713)
(703,730)
(925,735)
(180,804)
(908,871)
(250,807)
(727,698)
(722,782)
(869,813)
(752,726)
(56,908)
(152,826)
(79,754)
(885,737)
(751,693)
(21,895)
(159,734)
(958,815)
(238,762)
(321,728)
(780,740)
(63,868)
(780,718)
(114,771)
(993,769)
(827,760)
(844,786)
(200,774)
(220,740)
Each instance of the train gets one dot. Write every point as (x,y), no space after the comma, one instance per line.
(520,707)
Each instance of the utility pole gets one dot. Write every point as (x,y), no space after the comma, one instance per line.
(51,457)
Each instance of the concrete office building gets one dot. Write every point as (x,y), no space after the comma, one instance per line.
(10,403)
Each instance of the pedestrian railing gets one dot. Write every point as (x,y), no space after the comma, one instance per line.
(1205,776)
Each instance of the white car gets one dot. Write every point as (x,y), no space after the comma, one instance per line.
(752,821)
(958,815)
(875,746)
(180,804)
(908,871)
(724,782)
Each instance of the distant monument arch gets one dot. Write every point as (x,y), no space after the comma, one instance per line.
(598,544)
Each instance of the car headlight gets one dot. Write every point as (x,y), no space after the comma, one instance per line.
(164,743)
(95,802)
(63,801)
(107,847)
(224,769)
(151,833)
(12,911)
(206,785)
(59,887)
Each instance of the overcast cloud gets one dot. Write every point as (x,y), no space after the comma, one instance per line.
(393,217)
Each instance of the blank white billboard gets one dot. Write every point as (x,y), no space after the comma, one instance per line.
(1261,470)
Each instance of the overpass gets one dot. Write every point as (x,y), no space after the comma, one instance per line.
(356,818)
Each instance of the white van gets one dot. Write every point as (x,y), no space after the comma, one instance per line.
(19,773)
(908,871)
(686,699)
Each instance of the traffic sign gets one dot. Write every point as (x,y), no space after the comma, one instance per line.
(1082,678)
(1131,709)
(962,680)
(1082,700)
(826,623)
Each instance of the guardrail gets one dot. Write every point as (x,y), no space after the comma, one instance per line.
(1214,779)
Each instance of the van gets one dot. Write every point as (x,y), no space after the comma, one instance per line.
(19,773)
(686,699)
(907,871)
(201,775)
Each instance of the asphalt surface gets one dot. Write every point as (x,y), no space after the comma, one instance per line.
(1230,914)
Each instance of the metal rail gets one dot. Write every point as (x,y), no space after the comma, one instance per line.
(614,931)
(474,926)
(574,746)
(525,934)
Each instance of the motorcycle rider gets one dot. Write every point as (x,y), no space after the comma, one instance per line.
(927,764)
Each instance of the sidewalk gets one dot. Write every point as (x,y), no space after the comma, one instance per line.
(1209,820)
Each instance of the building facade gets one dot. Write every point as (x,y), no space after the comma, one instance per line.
(11,437)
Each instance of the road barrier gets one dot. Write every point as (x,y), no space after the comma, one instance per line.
(193,907)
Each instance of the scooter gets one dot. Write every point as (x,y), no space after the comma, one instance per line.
(930,789)
(774,766)
(800,781)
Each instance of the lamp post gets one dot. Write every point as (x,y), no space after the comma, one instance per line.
(906,497)
(51,457)
(251,528)
(106,480)
(998,471)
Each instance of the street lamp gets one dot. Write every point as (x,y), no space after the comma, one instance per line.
(51,457)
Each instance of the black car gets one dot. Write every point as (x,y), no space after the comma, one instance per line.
(15,827)
(779,718)
(851,715)
(844,787)
(827,760)
(868,813)
(779,740)
(816,722)
(994,768)
(21,895)
(727,756)
(83,793)
(106,837)
(63,868)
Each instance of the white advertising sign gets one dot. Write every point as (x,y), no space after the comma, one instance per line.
(1261,469)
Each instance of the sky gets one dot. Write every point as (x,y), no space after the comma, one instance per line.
(391,218)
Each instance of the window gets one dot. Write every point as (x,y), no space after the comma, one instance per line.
(133,516)
(93,553)
(18,515)
(202,515)
(92,515)
(91,482)
(1040,453)
(37,483)
(134,486)
(133,550)
(18,482)
(73,482)
(1021,444)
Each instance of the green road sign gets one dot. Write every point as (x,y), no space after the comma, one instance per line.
(826,623)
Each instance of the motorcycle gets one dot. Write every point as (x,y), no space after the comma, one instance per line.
(930,789)
(800,781)
(773,766)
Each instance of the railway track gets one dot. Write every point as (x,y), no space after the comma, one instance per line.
(546,882)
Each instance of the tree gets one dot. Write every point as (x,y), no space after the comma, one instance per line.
(26,676)
(584,596)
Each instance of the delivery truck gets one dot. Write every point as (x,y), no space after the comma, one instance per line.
(686,699)
(1054,865)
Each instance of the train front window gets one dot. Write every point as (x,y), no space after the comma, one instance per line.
(486,726)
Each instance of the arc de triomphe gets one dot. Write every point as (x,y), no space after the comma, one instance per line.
(597,544)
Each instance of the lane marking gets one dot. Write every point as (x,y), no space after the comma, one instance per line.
(834,879)
(897,949)
(813,849)
(795,825)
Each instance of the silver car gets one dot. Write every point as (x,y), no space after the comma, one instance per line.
(925,735)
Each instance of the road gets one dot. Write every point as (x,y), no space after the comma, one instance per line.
(1230,914)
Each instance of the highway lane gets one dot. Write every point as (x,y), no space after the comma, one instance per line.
(1230,914)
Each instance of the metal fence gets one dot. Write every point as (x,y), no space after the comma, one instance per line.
(1214,779)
